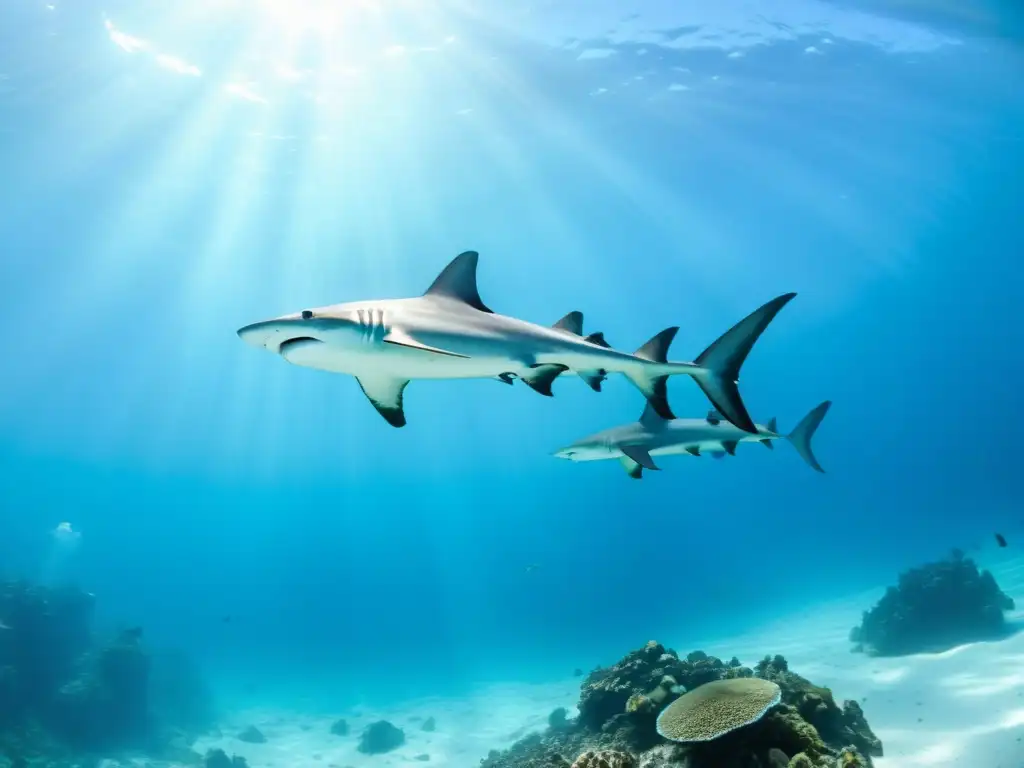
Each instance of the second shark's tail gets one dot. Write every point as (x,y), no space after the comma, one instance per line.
(802,433)
(716,370)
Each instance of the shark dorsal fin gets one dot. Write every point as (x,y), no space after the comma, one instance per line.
(572,323)
(773,425)
(650,417)
(714,417)
(656,349)
(458,282)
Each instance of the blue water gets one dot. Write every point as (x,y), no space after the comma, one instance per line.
(173,172)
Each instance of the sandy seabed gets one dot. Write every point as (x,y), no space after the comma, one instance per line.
(963,708)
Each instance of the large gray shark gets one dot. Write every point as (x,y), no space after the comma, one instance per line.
(635,444)
(449,333)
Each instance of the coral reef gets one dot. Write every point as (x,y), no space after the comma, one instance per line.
(106,705)
(64,691)
(605,759)
(712,710)
(645,679)
(380,737)
(932,608)
(559,718)
(729,715)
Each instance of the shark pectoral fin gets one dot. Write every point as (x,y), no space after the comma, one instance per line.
(729,446)
(386,396)
(693,450)
(768,444)
(593,379)
(640,455)
(571,323)
(633,469)
(401,339)
(541,377)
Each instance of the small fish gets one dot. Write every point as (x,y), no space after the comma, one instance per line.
(532,567)
(4,625)
(1000,540)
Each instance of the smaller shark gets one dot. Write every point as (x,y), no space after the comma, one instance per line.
(635,444)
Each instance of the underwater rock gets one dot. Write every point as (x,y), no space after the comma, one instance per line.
(430,724)
(107,705)
(339,727)
(218,758)
(252,735)
(558,718)
(174,746)
(80,695)
(47,630)
(380,737)
(622,704)
(932,608)
(424,757)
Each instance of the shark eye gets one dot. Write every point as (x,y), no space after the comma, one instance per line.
(307,314)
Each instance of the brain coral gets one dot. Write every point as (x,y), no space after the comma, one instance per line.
(715,708)
(604,759)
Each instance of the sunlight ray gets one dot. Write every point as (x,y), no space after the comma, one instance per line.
(123,263)
(708,249)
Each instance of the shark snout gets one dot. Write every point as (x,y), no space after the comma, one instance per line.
(267,334)
(275,335)
(564,453)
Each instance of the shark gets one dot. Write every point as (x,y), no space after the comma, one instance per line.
(449,333)
(635,445)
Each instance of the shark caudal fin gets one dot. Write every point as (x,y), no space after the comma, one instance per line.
(801,435)
(720,363)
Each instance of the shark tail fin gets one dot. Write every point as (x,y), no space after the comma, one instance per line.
(655,387)
(719,365)
(801,435)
